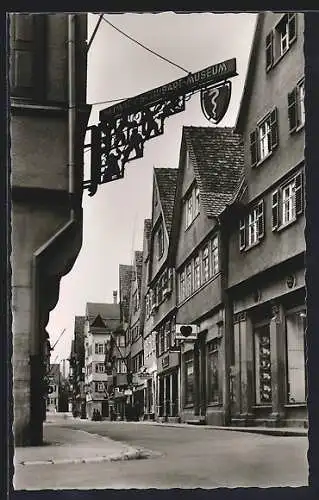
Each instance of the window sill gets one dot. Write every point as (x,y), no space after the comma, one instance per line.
(260,162)
(284,226)
(276,61)
(253,245)
(295,405)
(264,406)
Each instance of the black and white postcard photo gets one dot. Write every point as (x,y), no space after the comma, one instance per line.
(158,290)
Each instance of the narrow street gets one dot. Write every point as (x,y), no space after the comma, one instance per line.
(183,458)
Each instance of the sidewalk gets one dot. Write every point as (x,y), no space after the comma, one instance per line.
(271,431)
(64,446)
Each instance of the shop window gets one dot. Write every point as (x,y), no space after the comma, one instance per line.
(296,372)
(213,390)
(280,39)
(264,139)
(262,365)
(287,202)
(189,380)
(296,107)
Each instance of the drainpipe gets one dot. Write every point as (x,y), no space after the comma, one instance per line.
(35,352)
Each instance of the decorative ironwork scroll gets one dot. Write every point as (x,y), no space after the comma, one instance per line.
(124,128)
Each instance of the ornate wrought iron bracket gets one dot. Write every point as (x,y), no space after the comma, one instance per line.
(124,128)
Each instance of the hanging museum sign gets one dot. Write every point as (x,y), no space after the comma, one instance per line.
(123,128)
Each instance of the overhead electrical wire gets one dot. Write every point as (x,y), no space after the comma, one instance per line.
(144,46)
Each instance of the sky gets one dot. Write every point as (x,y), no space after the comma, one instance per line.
(118,69)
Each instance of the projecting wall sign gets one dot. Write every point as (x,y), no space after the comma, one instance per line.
(124,128)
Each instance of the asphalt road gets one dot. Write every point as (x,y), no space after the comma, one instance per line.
(189,458)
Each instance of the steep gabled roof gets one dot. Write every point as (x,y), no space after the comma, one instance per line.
(250,72)
(138,258)
(166,179)
(217,158)
(125,278)
(110,314)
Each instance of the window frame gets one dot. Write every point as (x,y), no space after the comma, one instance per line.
(273,39)
(297,181)
(296,107)
(258,209)
(272,134)
(214,253)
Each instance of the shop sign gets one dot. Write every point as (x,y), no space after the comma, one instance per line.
(187,333)
(124,128)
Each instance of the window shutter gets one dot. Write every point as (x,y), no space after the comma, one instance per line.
(292,31)
(260,219)
(292,109)
(27,58)
(253,148)
(274,128)
(299,193)
(269,50)
(275,210)
(242,234)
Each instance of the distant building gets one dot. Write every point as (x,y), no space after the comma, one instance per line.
(104,343)
(54,388)
(77,368)
(161,297)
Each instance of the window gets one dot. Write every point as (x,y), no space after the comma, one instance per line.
(160,241)
(27,58)
(182,294)
(192,206)
(188,280)
(196,206)
(167,332)
(189,380)
(264,139)
(160,290)
(214,256)
(205,265)
(262,365)
(279,40)
(296,373)
(162,340)
(99,368)
(287,202)
(135,301)
(251,228)
(120,366)
(213,383)
(120,340)
(99,387)
(99,348)
(189,210)
(196,272)
(296,107)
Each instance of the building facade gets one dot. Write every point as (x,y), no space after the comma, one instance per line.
(77,368)
(47,76)
(104,346)
(160,297)
(209,174)
(266,284)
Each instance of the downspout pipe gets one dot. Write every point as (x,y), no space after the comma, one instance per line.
(71,185)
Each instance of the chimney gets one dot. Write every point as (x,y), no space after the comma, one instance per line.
(114,296)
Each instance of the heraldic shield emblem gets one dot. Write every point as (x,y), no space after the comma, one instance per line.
(215,101)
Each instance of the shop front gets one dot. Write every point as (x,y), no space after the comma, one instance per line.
(168,387)
(270,378)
